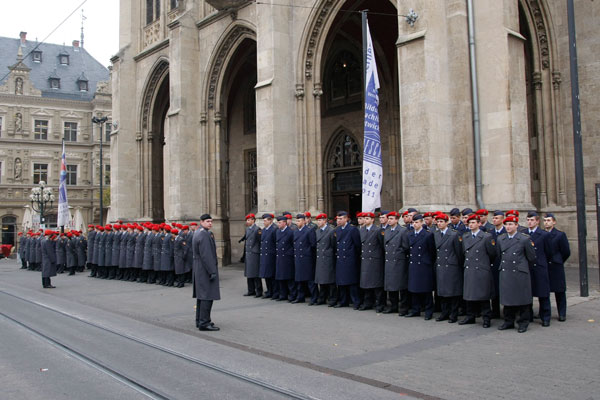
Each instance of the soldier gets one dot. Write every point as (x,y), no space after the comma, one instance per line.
(305,240)
(61,257)
(81,250)
(556,264)
(483,218)
(383,219)
(48,258)
(372,265)
(497,230)
(130,269)
(116,250)
(284,263)
(289,221)
(26,251)
(148,254)
(347,265)
(360,219)
(180,249)
(122,273)
(456,223)
(71,252)
(325,262)
(167,270)
(420,269)
(407,219)
(540,280)
(429,221)
(464,215)
(252,257)
(189,254)
(99,252)
(268,257)
(108,252)
(448,269)
(157,240)
(91,236)
(516,252)
(138,253)
(520,228)
(479,250)
(22,247)
(206,274)
(309,222)
(396,267)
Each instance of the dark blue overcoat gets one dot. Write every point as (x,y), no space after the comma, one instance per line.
(284,263)
(540,281)
(305,240)
(268,253)
(561,251)
(347,265)
(421,259)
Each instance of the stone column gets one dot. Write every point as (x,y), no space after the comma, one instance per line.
(275,105)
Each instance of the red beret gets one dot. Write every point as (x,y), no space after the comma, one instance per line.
(512,218)
(108,226)
(250,216)
(441,216)
(193,224)
(321,216)
(174,231)
(184,227)
(405,213)
(117,226)
(76,233)
(393,214)
(482,211)
(20,234)
(360,214)
(512,212)
(100,228)
(48,232)
(140,228)
(70,235)
(368,214)
(288,216)
(307,214)
(120,222)
(90,226)
(473,217)
(428,214)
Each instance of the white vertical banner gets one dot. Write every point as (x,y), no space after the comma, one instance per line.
(63,204)
(372,164)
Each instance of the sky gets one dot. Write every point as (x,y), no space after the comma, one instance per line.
(39,17)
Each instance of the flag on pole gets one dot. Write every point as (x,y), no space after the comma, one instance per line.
(372,165)
(63,203)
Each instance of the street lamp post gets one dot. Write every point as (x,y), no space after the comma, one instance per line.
(101,122)
(40,196)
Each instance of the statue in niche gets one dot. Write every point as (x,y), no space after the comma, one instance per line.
(19,86)
(18,122)
(18,169)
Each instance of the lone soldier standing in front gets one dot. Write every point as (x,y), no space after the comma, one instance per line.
(516,252)
(206,274)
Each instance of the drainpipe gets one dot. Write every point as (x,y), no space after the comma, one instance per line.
(475,102)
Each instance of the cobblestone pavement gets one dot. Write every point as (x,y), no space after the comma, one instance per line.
(409,356)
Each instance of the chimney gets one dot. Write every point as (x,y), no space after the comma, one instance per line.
(76,45)
(23,36)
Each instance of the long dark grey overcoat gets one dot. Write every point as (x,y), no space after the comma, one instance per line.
(123,249)
(252,245)
(91,236)
(515,279)
(140,242)
(268,252)
(99,249)
(81,248)
(157,242)
(148,264)
(48,250)
(205,264)
(189,253)
(448,264)
(284,262)
(396,247)
(71,250)
(38,249)
(180,247)
(61,254)
(325,256)
(108,251)
(479,252)
(116,248)
(130,250)
(166,253)
(372,258)
(540,280)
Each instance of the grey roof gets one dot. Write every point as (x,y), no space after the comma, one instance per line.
(81,63)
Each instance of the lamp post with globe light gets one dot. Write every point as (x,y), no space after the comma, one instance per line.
(40,196)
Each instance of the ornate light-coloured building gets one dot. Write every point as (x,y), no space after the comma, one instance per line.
(49,92)
(232,106)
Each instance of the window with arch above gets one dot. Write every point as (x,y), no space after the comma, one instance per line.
(345,152)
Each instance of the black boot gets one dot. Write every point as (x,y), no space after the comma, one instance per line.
(94,272)
(180,279)
(72,271)
(197,313)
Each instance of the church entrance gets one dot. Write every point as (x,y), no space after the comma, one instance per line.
(344,163)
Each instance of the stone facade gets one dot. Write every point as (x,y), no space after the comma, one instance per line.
(253,106)
(34,118)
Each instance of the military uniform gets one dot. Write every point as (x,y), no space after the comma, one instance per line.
(100,250)
(284,263)
(556,269)
(206,277)
(325,265)
(479,251)
(123,273)
(148,258)
(252,261)
(81,248)
(372,269)
(71,251)
(496,273)
(515,281)
(396,245)
(91,238)
(180,249)
(108,254)
(347,265)
(157,240)
(268,256)
(48,260)
(61,256)
(421,272)
(305,240)
(116,252)
(540,280)
(449,272)
(166,260)
(138,258)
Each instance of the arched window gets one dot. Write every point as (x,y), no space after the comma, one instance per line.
(344,152)
(344,79)
(344,161)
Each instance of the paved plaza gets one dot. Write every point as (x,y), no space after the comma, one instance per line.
(354,351)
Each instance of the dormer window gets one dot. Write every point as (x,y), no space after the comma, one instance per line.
(83,86)
(36,56)
(54,83)
(64,59)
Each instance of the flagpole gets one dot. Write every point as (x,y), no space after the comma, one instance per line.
(363,15)
(62,227)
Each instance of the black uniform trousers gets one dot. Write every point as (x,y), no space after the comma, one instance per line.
(450,306)
(510,313)
(203,308)
(422,300)
(287,289)
(307,287)
(545,312)
(374,297)
(327,293)
(479,307)
(561,303)
(347,293)
(255,286)
(399,301)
